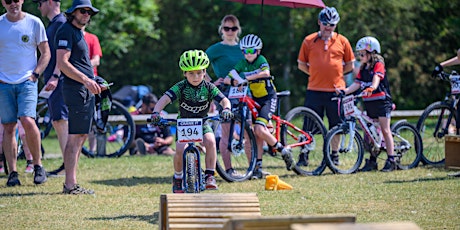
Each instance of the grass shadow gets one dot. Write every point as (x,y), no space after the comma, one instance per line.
(134,181)
(151,219)
(29,194)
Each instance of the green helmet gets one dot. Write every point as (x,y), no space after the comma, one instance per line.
(193,60)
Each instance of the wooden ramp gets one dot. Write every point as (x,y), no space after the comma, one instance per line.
(283,222)
(205,211)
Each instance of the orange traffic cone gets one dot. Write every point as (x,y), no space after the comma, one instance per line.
(273,182)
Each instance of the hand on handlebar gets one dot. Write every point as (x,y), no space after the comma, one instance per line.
(437,71)
(155,118)
(368,91)
(226,114)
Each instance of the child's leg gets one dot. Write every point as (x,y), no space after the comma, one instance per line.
(178,158)
(386,130)
(209,142)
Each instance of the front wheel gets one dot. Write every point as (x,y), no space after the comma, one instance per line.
(433,127)
(408,145)
(192,181)
(242,156)
(343,150)
(309,158)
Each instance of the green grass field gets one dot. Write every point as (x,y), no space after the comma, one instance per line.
(128,191)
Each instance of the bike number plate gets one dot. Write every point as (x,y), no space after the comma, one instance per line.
(348,105)
(455,84)
(235,92)
(190,130)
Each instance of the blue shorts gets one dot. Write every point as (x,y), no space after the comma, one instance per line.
(81,104)
(18,100)
(321,102)
(56,106)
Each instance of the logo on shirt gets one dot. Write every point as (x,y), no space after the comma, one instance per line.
(25,38)
(62,43)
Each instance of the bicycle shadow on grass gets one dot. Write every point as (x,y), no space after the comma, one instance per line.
(425,179)
(151,219)
(134,181)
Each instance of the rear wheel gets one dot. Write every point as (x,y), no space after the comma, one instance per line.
(433,127)
(407,144)
(309,158)
(118,135)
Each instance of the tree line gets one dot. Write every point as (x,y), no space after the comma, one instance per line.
(143,39)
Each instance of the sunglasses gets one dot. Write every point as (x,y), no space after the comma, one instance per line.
(84,11)
(11,1)
(249,51)
(328,24)
(226,28)
(362,54)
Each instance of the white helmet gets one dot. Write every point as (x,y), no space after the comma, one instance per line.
(369,44)
(329,15)
(251,41)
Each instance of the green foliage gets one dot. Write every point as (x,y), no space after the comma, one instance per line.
(142,40)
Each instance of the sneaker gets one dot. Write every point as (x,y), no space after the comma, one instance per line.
(335,159)
(76,190)
(29,168)
(389,166)
(177,186)
(57,172)
(303,160)
(13,179)
(369,166)
(39,174)
(233,173)
(287,157)
(140,145)
(211,183)
(2,169)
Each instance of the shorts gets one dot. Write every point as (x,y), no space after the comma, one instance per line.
(81,104)
(56,106)
(268,108)
(321,101)
(18,100)
(378,108)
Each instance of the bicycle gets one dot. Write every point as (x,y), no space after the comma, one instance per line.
(440,119)
(114,141)
(351,145)
(190,130)
(303,142)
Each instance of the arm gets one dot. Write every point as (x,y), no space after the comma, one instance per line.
(226,103)
(45,55)
(70,71)
(352,88)
(452,61)
(304,68)
(348,67)
(161,104)
(261,74)
(95,60)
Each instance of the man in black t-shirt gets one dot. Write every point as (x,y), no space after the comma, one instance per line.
(79,86)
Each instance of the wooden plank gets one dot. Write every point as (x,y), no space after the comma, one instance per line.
(283,222)
(357,226)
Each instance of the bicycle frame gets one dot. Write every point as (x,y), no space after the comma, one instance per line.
(246,103)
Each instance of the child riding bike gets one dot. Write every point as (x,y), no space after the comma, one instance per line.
(195,97)
(255,69)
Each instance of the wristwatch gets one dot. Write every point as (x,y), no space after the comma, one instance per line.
(36,75)
(55,76)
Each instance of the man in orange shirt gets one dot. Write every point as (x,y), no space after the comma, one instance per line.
(325,56)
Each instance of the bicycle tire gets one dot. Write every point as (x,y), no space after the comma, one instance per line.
(239,160)
(192,181)
(350,158)
(119,119)
(428,126)
(407,144)
(310,122)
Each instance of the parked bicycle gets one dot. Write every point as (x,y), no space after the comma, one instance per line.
(440,119)
(351,145)
(113,142)
(303,142)
(190,130)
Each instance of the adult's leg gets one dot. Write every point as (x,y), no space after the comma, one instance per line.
(71,155)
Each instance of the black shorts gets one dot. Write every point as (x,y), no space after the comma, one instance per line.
(320,102)
(81,104)
(378,108)
(268,108)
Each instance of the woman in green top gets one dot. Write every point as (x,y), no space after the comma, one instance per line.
(223,56)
